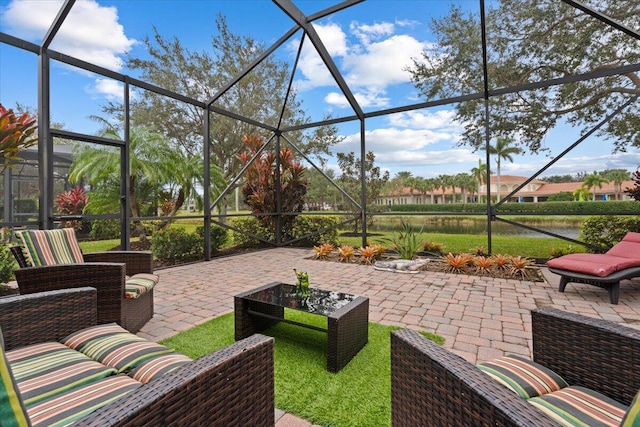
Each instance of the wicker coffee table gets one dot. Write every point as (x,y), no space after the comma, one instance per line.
(347,317)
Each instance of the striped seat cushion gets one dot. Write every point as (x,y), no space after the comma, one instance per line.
(49,369)
(65,409)
(579,406)
(50,247)
(114,346)
(158,366)
(523,376)
(12,410)
(139,284)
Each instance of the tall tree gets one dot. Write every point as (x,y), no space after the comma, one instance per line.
(594,180)
(480,175)
(530,42)
(618,176)
(260,95)
(445,182)
(504,149)
(351,179)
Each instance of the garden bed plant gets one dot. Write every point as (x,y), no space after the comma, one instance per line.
(499,266)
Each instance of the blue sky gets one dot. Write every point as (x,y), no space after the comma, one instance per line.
(371,43)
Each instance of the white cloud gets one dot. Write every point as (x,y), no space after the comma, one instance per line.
(374,60)
(388,140)
(112,90)
(90,32)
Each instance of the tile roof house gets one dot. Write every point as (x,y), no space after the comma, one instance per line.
(534,191)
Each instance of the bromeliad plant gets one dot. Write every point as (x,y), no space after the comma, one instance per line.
(346,253)
(323,251)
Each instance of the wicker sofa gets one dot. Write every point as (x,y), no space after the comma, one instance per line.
(430,386)
(105,271)
(233,386)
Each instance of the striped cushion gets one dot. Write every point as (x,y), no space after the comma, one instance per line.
(579,406)
(49,369)
(12,411)
(523,376)
(632,417)
(158,366)
(50,247)
(69,407)
(139,284)
(114,346)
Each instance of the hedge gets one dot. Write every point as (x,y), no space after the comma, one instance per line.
(621,207)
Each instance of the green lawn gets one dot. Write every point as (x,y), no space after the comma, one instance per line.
(358,395)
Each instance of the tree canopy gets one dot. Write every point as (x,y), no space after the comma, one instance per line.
(529,42)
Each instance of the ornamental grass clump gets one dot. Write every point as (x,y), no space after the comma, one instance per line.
(406,241)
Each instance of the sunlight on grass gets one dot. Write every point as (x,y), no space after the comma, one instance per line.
(358,395)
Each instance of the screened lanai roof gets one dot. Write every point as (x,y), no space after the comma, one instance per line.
(348,62)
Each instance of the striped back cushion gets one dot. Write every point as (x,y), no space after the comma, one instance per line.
(50,247)
(49,369)
(114,346)
(12,411)
(523,376)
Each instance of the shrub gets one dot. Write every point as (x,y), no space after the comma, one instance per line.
(105,229)
(602,232)
(307,224)
(7,263)
(248,225)
(71,202)
(218,235)
(176,245)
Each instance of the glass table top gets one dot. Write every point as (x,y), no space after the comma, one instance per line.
(317,301)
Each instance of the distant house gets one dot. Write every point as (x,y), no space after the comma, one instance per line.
(534,191)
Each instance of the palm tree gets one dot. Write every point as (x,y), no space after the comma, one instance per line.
(467,183)
(445,182)
(480,175)
(503,150)
(618,176)
(581,194)
(594,180)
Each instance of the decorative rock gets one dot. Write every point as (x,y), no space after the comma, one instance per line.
(401,265)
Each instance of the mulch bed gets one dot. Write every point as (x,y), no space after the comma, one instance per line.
(437,265)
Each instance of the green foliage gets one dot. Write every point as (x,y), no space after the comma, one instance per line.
(105,229)
(407,241)
(248,225)
(16,134)
(175,245)
(303,224)
(26,205)
(603,232)
(7,263)
(556,252)
(218,236)
(635,190)
(563,196)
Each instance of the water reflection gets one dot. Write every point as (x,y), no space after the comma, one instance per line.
(479,227)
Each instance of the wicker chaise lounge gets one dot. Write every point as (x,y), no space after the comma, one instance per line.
(606,271)
(231,387)
(431,386)
(105,271)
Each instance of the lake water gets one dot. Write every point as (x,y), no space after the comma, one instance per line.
(479,227)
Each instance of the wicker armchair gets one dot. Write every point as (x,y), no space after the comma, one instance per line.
(430,386)
(232,386)
(105,271)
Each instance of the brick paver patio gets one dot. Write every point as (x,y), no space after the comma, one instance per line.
(480,318)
